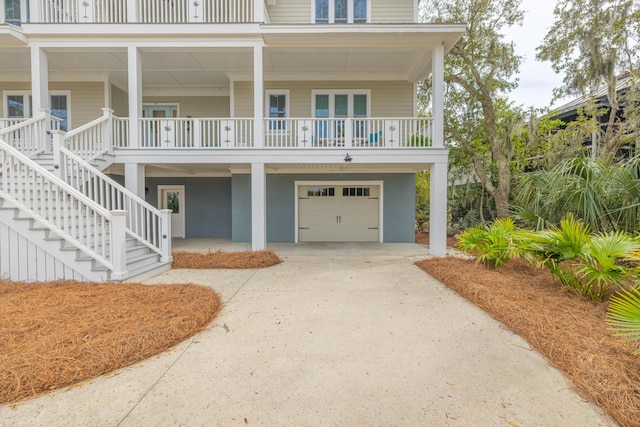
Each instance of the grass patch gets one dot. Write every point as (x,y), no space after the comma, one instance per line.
(60,333)
(568,330)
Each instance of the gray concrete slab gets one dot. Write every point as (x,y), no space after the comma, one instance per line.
(329,338)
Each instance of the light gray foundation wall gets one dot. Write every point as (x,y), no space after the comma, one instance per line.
(398,204)
(241,208)
(207,204)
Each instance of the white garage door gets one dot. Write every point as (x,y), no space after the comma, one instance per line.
(339,213)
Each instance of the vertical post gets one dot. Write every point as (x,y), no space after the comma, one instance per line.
(196,126)
(348,132)
(2,7)
(39,78)
(438,210)
(134,70)
(132,11)
(258,11)
(118,245)
(108,130)
(437,82)
(59,166)
(24,7)
(134,178)
(258,207)
(258,97)
(165,235)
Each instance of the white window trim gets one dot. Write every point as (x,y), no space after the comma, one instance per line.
(332,14)
(298,184)
(26,93)
(267,94)
(349,92)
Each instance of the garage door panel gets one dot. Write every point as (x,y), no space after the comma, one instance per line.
(347,213)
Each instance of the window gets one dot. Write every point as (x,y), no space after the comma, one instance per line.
(341,11)
(321,192)
(277,108)
(18,105)
(356,191)
(12,11)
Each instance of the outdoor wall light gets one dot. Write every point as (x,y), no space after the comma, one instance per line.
(347,158)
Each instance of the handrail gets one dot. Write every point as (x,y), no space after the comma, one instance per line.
(28,136)
(92,139)
(61,208)
(143,222)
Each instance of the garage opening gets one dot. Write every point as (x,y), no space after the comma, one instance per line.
(348,212)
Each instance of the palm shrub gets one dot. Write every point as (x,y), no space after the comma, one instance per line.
(491,243)
(591,265)
(624,315)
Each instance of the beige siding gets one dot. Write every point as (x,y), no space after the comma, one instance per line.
(396,11)
(290,12)
(301,11)
(195,106)
(119,102)
(87,99)
(388,99)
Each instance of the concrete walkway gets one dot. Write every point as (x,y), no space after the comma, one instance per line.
(353,335)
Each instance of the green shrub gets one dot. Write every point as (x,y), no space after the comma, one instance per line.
(492,244)
(624,315)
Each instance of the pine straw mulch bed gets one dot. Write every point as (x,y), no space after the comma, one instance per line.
(60,333)
(221,259)
(569,331)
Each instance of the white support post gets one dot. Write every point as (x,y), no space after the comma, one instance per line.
(348,132)
(258,11)
(108,130)
(258,207)
(438,210)
(165,237)
(437,82)
(135,95)
(59,167)
(258,97)
(39,79)
(118,245)
(35,12)
(2,7)
(134,178)
(132,11)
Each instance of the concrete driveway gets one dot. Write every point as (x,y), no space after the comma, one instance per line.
(336,335)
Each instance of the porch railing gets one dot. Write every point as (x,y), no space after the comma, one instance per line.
(30,136)
(142,11)
(93,139)
(348,133)
(195,133)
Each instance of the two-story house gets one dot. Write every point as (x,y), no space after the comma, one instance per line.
(251,120)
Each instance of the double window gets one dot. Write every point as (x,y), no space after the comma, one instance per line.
(341,11)
(18,105)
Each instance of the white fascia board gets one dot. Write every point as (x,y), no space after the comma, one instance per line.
(328,156)
(88,42)
(279,76)
(54,76)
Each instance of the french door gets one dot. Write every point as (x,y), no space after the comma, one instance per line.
(335,108)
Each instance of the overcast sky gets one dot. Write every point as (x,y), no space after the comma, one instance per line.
(537,79)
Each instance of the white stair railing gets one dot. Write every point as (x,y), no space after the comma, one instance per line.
(29,136)
(93,139)
(145,223)
(62,209)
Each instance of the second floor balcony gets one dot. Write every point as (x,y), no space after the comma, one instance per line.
(128,11)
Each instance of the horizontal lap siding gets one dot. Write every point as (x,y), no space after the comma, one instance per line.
(195,106)
(290,12)
(388,98)
(119,102)
(397,11)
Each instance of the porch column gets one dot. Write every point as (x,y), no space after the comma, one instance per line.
(134,178)
(258,11)
(258,97)
(437,82)
(39,79)
(258,207)
(135,95)
(438,210)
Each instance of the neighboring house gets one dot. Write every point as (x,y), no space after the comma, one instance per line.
(570,111)
(251,120)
